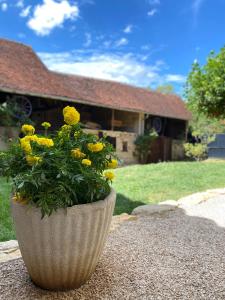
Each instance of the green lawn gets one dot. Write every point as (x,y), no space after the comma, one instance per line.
(140,184)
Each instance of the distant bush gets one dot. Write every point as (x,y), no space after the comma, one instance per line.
(196,151)
(143,145)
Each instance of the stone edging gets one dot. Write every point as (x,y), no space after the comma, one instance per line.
(184,202)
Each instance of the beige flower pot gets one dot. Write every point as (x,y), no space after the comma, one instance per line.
(61,251)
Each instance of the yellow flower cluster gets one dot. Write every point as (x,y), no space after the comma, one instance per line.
(109,175)
(97,147)
(28,129)
(45,142)
(113,164)
(33,160)
(76,153)
(25,142)
(46,125)
(86,162)
(71,115)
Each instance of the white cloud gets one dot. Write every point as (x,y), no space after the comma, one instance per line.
(4,6)
(196,5)
(88,40)
(121,42)
(20,3)
(176,78)
(25,12)
(127,68)
(152,12)
(128,29)
(51,14)
(154,2)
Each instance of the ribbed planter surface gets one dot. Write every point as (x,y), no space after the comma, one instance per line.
(61,251)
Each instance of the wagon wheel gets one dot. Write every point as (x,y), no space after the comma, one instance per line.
(157,124)
(20,106)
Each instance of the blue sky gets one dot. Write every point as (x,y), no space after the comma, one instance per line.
(140,42)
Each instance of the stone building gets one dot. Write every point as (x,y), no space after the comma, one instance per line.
(119,110)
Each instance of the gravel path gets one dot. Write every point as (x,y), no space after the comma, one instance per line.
(177,255)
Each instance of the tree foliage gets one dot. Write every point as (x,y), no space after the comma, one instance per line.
(165,89)
(205,88)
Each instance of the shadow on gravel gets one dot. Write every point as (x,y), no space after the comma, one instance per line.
(177,256)
(125,205)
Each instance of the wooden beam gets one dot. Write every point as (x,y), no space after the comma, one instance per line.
(112,119)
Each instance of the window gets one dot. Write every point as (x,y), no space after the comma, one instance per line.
(125,146)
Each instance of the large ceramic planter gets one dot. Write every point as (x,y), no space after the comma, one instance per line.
(61,251)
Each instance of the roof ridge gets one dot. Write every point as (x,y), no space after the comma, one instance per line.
(16,42)
(116,82)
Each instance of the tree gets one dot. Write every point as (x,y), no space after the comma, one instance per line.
(203,127)
(205,88)
(165,89)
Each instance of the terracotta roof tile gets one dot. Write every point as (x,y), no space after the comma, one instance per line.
(22,71)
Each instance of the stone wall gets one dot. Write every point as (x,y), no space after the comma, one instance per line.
(123,139)
(7,133)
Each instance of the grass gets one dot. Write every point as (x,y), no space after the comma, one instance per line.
(6,228)
(141,184)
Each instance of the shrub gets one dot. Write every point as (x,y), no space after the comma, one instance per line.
(143,145)
(196,151)
(61,170)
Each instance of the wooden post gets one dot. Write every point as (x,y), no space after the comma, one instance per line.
(112,119)
(140,123)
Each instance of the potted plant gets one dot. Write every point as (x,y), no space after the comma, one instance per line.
(63,203)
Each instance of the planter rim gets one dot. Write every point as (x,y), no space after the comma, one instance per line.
(100,204)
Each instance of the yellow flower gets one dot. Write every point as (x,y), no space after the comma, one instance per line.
(46,125)
(25,145)
(95,147)
(71,115)
(30,138)
(77,153)
(113,164)
(28,129)
(33,160)
(45,142)
(109,175)
(86,162)
(19,199)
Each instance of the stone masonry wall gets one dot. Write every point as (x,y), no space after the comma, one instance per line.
(126,157)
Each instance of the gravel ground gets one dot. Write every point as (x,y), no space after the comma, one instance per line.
(177,255)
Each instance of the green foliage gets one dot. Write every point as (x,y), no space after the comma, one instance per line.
(143,145)
(205,127)
(165,89)
(205,88)
(50,176)
(196,151)
(7,115)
